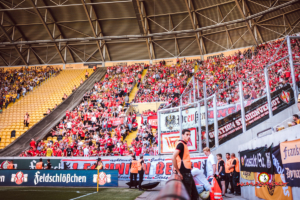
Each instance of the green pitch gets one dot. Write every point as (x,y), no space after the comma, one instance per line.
(46,193)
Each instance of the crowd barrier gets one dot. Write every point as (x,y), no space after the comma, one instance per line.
(63,178)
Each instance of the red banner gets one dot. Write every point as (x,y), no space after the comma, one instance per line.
(117,121)
(152,120)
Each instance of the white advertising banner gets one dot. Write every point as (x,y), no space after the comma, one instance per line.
(157,168)
(168,141)
(170,121)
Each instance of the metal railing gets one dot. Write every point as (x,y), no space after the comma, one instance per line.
(173,190)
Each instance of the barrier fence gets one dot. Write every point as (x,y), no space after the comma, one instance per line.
(248,114)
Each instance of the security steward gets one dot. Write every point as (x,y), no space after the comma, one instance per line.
(228,174)
(236,174)
(133,172)
(141,168)
(39,165)
(182,164)
(11,165)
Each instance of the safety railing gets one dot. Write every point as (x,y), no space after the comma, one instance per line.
(173,190)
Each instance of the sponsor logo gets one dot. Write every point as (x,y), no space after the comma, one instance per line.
(170,121)
(4,164)
(263,177)
(58,178)
(285,96)
(171,141)
(19,178)
(102,178)
(2,179)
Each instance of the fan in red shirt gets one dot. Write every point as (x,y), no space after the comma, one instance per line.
(32,144)
(138,150)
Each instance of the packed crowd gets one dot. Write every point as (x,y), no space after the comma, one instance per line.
(87,130)
(17,83)
(223,74)
(164,83)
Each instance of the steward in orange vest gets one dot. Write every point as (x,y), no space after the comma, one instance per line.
(141,168)
(39,165)
(236,174)
(182,164)
(228,174)
(133,172)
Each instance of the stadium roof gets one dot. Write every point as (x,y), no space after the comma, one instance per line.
(35,32)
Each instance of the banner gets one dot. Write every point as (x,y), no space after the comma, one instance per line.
(139,108)
(247,175)
(170,121)
(257,112)
(290,156)
(157,168)
(168,141)
(63,178)
(152,120)
(257,160)
(29,162)
(273,192)
(117,121)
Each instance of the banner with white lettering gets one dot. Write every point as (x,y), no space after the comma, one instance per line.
(290,157)
(257,160)
(168,141)
(157,168)
(257,112)
(62,178)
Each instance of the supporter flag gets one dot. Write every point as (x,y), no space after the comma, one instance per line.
(273,192)
(290,156)
(247,175)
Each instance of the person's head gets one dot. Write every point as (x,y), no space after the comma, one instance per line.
(186,135)
(206,151)
(133,157)
(48,160)
(41,160)
(295,117)
(219,156)
(141,157)
(233,155)
(227,156)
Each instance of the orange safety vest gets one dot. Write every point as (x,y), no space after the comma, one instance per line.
(134,167)
(218,165)
(140,166)
(39,165)
(186,157)
(10,166)
(237,165)
(227,165)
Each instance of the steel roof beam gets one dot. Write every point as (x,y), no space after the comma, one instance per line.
(15,47)
(194,21)
(107,38)
(246,22)
(253,21)
(59,30)
(92,27)
(227,32)
(140,17)
(48,31)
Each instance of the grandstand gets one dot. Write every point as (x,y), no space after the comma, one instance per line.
(112,79)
